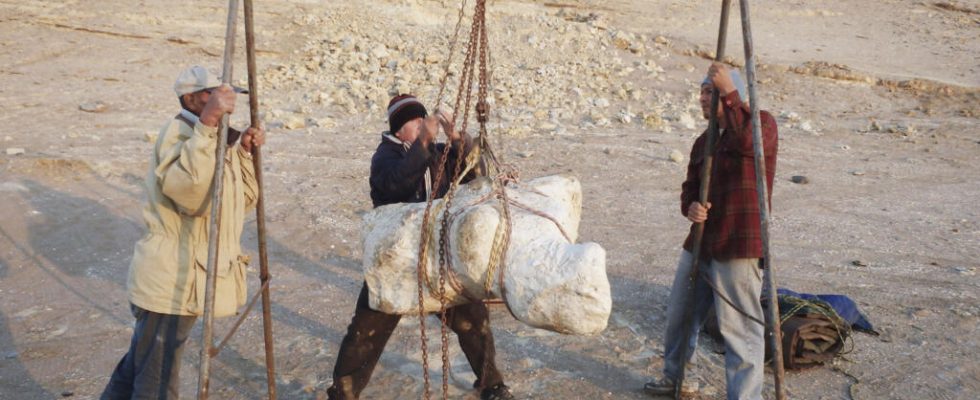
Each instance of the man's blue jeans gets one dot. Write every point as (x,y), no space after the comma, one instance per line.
(739,280)
(151,367)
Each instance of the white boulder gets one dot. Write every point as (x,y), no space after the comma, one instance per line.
(549,281)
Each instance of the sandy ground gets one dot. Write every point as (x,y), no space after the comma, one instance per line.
(878,106)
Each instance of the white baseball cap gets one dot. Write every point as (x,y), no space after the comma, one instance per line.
(197,78)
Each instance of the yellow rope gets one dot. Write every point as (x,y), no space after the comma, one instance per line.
(500,238)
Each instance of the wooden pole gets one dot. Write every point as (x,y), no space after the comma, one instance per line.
(705,183)
(215,220)
(772,317)
(253,105)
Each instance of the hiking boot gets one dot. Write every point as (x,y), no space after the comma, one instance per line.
(665,387)
(496,392)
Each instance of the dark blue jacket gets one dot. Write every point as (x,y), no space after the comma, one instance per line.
(398,175)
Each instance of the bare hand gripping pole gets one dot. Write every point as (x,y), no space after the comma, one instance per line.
(215,220)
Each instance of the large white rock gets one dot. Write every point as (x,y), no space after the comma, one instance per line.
(550,281)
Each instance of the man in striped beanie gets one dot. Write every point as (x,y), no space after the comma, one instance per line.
(401,172)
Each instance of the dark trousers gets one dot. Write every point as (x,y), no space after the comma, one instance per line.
(151,367)
(370,330)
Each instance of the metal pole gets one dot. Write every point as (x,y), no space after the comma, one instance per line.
(253,107)
(705,183)
(775,333)
(215,220)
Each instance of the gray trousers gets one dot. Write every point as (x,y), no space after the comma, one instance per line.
(151,367)
(739,280)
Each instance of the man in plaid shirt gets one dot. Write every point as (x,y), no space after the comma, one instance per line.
(731,246)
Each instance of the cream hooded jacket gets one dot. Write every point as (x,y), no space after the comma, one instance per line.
(167,274)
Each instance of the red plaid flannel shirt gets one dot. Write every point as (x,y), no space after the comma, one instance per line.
(732,229)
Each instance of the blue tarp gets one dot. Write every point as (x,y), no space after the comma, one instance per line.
(845,307)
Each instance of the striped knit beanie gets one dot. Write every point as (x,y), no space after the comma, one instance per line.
(404,108)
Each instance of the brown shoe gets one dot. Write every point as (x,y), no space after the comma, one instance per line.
(665,387)
(496,392)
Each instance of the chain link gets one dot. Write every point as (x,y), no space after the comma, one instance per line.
(449,57)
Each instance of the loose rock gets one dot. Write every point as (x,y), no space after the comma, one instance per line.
(687,121)
(13,151)
(94,107)
(625,117)
(807,126)
(325,122)
(294,122)
(790,116)
(903,129)
(676,156)
(800,179)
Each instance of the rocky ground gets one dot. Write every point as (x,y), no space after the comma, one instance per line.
(877,102)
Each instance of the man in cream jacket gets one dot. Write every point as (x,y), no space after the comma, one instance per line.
(168,271)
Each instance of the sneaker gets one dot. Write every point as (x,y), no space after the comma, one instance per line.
(665,387)
(496,392)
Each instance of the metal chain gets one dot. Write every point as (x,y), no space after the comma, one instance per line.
(442,302)
(443,250)
(420,275)
(444,229)
(466,80)
(464,94)
(449,57)
(477,47)
(482,106)
(489,159)
(444,266)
